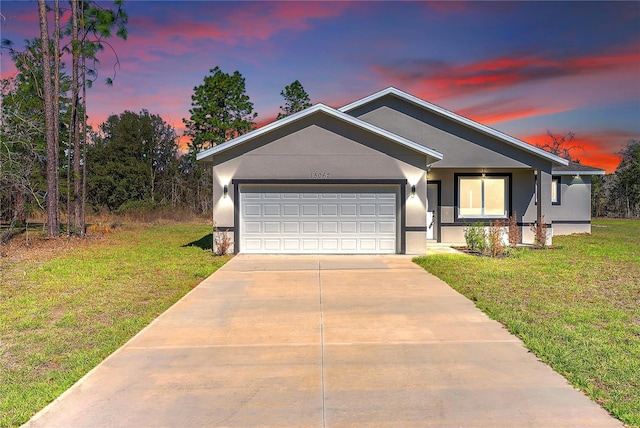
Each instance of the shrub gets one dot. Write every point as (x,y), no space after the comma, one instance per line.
(475,237)
(514,230)
(221,241)
(495,245)
(539,229)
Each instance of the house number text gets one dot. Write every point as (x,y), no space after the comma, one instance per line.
(320,175)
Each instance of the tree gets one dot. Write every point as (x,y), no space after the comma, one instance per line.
(296,99)
(221,110)
(132,160)
(626,187)
(562,145)
(50,126)
(90,26)
(23,157)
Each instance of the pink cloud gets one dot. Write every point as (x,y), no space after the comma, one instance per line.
(435,79)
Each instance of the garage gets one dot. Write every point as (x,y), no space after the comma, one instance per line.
(320,181)
(318,219)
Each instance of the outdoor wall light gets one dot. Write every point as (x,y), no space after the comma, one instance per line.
(483,173)
(225,191)
(413,190)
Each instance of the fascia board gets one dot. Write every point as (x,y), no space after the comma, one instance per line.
(330,111)
(590,172)
(457,118)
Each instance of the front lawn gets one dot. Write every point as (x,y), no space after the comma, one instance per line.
(576,306)
(65,305)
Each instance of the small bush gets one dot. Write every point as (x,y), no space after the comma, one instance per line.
(514,230)
(221,241)
(539,229)
(495,244)
(475,237)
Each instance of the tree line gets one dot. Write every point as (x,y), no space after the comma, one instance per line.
(54,164)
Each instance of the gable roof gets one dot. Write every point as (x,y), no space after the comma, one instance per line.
(432,155)
(455,118)
(575,168)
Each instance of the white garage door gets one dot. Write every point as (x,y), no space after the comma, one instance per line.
(318,222)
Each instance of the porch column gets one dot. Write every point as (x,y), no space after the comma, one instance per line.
(539,196)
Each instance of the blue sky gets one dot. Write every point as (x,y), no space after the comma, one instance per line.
(520,67)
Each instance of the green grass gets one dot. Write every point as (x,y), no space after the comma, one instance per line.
(576,306)
(60,317)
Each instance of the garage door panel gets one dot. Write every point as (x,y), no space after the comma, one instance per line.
(252,244)
(252,210)
(386,227)
(272,227)
(291,244)
(310,227)
(272,210)
(367,227)
(330,227)
(348,210)
(348,227)
(310,244)
(291,227)
(387,244)
(252,227)
(272,244)
(310,210)
(291,210)
(368,244)
(318,222)
(349,245)
(329,210)
(386,210)
(329,244)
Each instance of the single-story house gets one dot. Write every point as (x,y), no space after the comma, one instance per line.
(388,173)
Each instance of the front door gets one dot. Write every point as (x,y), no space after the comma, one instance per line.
(432,211)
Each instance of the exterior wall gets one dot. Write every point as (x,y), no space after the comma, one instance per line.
(573,214)
(322,150)
(462,147)
(522,201)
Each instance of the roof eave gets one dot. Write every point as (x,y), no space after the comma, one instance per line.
(432,155)
(594,172)
(456,117)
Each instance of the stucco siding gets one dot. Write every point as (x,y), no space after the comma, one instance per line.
(575,199)
(461,146)
(322,150)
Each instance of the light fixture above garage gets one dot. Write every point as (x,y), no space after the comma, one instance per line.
(225,191)
(413,190)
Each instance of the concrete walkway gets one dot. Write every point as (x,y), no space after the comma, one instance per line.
(323,341)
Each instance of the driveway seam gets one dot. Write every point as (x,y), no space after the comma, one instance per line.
(324,420)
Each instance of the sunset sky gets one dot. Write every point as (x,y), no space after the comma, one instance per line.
(519,67)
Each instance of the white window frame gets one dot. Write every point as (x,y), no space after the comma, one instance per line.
(507,184)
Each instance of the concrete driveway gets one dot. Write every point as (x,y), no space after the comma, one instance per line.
(323,341)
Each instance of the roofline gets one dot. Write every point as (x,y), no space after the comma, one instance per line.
(457,118)
(331,112)
(583,172)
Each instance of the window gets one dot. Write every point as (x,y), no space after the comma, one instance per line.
(555,190)
(556,183)
(483,197)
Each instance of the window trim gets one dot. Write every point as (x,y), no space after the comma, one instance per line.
(456,195)
(558,186)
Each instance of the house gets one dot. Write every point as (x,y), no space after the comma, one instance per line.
(388,173)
